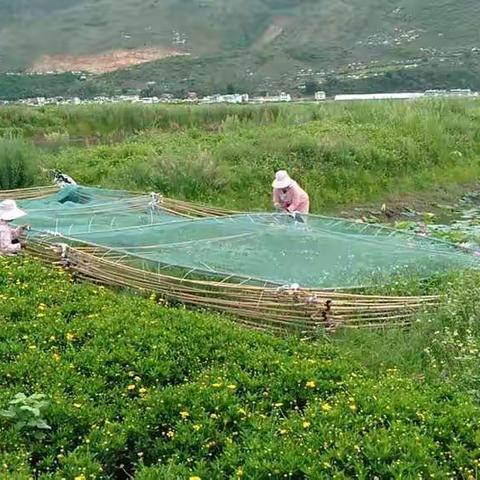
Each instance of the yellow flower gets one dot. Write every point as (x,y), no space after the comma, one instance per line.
(306,424)
(353,407)
(131,387)
(232,387)
(279,404)
(195,478)
(77,405)
(216,385)
(170,434)
(143,390)
(184,415)
(310,384)
(326,407)
(239,472)
(282,431)
(56,357)
(213,415)
(70,336)
(80,477)
(197,427)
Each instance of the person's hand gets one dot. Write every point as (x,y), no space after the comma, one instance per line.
(24,228)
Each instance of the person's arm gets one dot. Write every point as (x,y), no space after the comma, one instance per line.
(16,232)
(6,244)
(297,199)
(276,199)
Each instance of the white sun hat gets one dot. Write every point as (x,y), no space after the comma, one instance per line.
(282,180)
(9,211)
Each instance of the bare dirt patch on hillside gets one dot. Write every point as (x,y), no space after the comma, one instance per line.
(101,63)
(273,31)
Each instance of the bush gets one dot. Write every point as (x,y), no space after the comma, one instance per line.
(17,167)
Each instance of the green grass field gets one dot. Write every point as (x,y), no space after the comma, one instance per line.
(137,389)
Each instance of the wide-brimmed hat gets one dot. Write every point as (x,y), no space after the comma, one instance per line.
(282,180)
(9,211)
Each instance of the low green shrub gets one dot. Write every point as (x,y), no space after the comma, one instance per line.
(140,390)
(25,413)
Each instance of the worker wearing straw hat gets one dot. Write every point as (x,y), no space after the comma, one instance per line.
(9,236)
(288,196)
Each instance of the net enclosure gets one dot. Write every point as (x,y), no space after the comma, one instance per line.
(254,248)
(271,271)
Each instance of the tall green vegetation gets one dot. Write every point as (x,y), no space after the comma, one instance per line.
(17,163)
(341,153)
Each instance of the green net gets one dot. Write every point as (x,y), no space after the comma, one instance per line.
(252,248)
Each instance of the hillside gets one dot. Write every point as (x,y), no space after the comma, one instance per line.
(251,44)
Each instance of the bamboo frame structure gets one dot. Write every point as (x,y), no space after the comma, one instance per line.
(266,307)
(273,309)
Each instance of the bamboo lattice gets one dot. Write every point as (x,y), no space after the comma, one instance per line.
(268,307)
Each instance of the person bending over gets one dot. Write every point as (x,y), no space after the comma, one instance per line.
(9,236)
(288,196)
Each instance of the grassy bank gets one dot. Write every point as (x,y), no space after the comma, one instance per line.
(133,389)
(227,155)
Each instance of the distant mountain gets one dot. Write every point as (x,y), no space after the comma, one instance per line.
(211,45)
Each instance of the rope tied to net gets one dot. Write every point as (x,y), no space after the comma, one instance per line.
(289,289)
(62,249)
(156,201)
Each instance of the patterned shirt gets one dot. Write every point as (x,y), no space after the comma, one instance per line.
(7,235)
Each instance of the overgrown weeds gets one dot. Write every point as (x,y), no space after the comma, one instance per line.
(17,163)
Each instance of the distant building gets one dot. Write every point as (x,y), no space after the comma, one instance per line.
(379,96)
(436,93)
(461,92)
(150,100)
(233,98)
(319,96)
(282,97)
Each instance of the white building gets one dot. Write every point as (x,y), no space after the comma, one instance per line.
(378,96)
(461,92)
(234,98)
(283,97)
(319,96)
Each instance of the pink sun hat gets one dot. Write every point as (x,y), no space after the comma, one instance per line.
(9,211)
(282,180)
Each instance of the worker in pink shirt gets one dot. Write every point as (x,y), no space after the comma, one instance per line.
(10,236)
(288,196)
